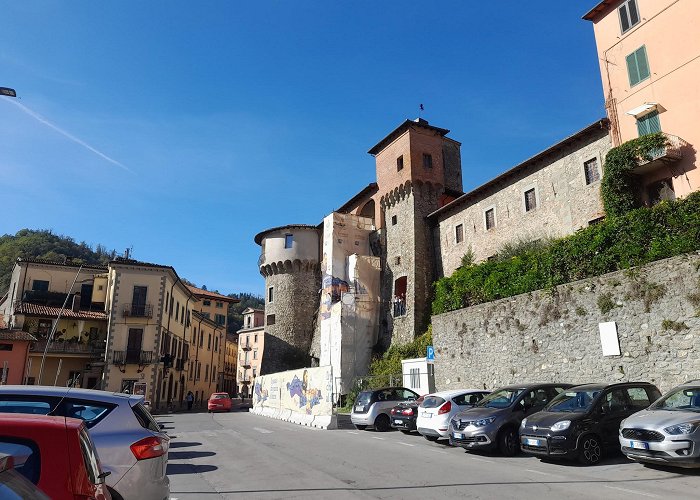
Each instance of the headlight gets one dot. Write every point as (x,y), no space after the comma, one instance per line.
(686,428)
(561,426)
(523,423)
(483,422)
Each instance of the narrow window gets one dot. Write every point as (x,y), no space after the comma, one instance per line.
(629,15)
(427,160)
(394,220)
(270,319)
(167,299)
(270,294)
(399,163)
(288,240)
(459,233)
(177,311)
(590,168)
(255,354)
(490,216)
(209,342)
(397,261)
(530,200)
(638,66)
(649,124)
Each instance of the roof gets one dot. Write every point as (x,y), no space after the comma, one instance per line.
(477,192)
(200,292)
(401,129)
(599,8)
(16,335)
(131,262)
(369,190)
(258,237)
(454,392)
(89,394)
(67,263)
(249,310)
(38,310)
(25,420)
(603,385)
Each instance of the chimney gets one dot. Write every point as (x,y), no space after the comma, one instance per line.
(76,302)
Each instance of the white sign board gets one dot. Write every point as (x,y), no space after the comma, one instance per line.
(608,338)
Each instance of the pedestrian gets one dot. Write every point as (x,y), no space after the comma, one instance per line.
(190,399)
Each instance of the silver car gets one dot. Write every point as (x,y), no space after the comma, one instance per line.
(373,407)
(668,432)
(129,442)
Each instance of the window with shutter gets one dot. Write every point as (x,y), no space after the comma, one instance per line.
(629,15)
(649,124)
(638,66)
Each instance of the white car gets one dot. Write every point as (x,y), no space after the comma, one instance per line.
(436,410)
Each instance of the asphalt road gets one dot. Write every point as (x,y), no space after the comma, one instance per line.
(240,455)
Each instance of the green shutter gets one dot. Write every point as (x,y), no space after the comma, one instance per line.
(638,66)
(632,70)
(649,124)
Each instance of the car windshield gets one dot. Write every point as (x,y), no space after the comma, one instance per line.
(680,399)
(501,398)
(573,401)
(432,402)
(220,396)
(364,398)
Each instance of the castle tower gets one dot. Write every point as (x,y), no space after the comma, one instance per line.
(418,171)
(289,262)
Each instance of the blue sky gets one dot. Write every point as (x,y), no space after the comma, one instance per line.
(182,129)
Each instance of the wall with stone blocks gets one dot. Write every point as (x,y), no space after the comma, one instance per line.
(553,335)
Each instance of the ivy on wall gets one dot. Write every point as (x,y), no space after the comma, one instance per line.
(619,188)
(633,238)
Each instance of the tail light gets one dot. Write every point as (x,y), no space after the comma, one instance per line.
(445,408)
(393,411)
(408,411)
(150,447)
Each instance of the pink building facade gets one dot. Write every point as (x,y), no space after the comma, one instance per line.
(14,354)
(649,54)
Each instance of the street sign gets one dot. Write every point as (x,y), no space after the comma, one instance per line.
(430,354)
(8,92)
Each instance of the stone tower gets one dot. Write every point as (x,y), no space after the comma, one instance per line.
(418,171)
(290,264)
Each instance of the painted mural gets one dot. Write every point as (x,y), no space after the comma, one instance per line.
(308,391)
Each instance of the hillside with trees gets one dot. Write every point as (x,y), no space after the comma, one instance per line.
(235,316)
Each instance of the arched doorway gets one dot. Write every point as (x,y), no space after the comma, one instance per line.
(368,210)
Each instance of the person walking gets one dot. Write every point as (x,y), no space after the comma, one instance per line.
(190,399)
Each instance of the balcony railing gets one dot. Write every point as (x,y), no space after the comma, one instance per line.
(66,347)
(138,310)
(245,363)
(245,380)
(132,357)
(670,153)
(247,346)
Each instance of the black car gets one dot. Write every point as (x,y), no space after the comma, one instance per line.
(584,421)
(404,415)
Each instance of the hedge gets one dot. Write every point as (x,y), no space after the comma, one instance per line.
(636,237)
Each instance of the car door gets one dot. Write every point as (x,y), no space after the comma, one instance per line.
(613,408)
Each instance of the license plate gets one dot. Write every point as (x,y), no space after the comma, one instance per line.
(457,435)
(425,414)
(639,445)
(359,408)
(398,422)
(532,442)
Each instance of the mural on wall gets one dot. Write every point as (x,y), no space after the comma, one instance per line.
(308,391)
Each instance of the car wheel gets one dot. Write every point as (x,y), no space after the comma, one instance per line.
(431,438)
(114,494)
(360,427)
(381,423)
(590,451)
(508,442)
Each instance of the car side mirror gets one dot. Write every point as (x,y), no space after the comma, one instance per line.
(101,478)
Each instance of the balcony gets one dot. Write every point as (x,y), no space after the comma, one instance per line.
(138,311)
(132,357)
(67,348)
(245,380)
(247,346)
(246,363)
(671,153)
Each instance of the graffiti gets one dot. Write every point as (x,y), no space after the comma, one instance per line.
(260,393)
(308,397)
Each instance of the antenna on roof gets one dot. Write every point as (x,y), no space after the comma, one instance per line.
(420,110)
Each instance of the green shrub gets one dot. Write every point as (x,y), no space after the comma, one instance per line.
(634,238)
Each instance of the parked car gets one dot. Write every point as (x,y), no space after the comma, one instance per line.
(582,422)
(13,485)
(373,407)
(494,421)
(403,415)
(668,432)
(54,453)
(219,401)
(437,410)
(130,444)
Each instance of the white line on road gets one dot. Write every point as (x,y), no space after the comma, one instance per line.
(440,451)
(262,431)
(352,432)
(375,437)
(538,472)
(482,460)
(406,444)
(633,492)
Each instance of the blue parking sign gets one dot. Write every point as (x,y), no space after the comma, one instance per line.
(431,353)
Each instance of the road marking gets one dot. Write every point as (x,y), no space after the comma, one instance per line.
(440,451)
(406,444)
(375,437)
(538,472)
(633,492)
(352,432)
(262,431)
(482,460)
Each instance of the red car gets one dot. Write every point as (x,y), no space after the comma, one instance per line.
(54,453)
(219,401)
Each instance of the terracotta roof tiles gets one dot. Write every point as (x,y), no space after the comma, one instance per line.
(39,310)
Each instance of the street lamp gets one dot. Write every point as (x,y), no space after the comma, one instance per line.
(8,92)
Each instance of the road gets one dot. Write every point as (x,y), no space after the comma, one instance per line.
(240,455)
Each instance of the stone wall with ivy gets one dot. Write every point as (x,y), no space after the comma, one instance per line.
(553,334)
